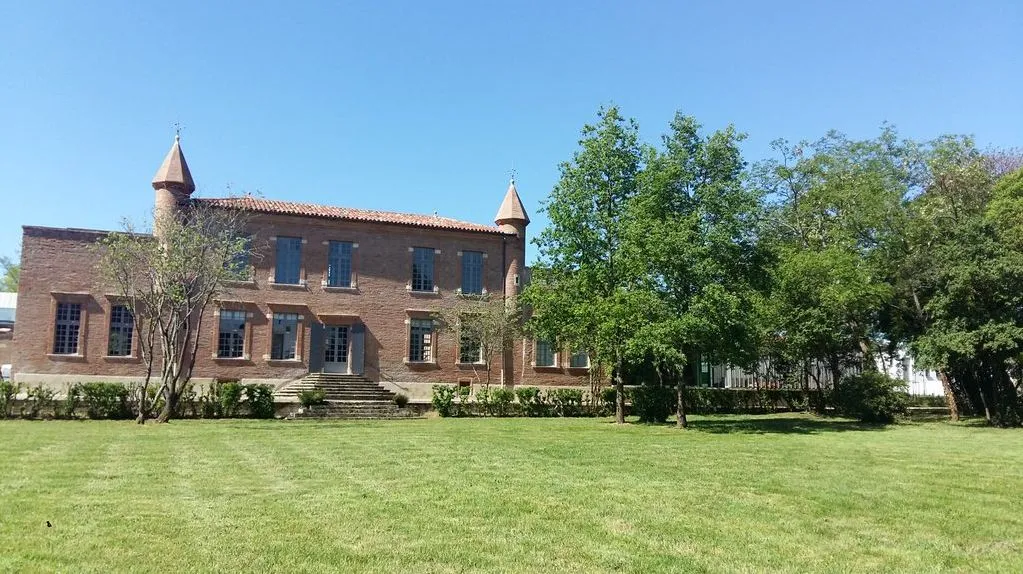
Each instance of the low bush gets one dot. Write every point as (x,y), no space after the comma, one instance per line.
(871,397)
(72,400)
(926,401)
(401,400)
(565,402)
(484,405)
(607,401)
(464,408)
(40,400)
(312,397)
(653,404)
(531,401)
(443,400)
(501,400)
(260,401)
(229,394)
(8,390)
(105,400)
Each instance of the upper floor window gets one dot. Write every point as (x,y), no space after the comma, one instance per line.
(231,337)
(420,345)
(284,343)
(545,354)
(339,264)
(122,323)
(472,272)
(289,261)
(422,269)
(579,360)
(67,324)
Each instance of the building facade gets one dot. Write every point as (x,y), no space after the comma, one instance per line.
(333,289)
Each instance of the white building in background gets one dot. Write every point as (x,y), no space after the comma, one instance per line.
(903,366)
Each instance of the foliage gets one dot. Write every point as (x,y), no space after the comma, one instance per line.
(168,280)
(72,400)
(9,274)
(260,401)
(565,402)
(501,400)
(653,403)
(40,400)
(443,400)
(8,390)
(229,397)
(531,401)
(105,400)
(401,400)
(463,407)
(871,397)
(607,401)
(312,397)
(489,321)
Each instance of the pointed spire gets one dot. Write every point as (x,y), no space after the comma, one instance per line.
(511,210)
(173,173)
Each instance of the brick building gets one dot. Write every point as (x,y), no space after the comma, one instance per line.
(334,290)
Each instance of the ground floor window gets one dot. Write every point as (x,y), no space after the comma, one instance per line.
(284,344)
(470,346)
(67,325)
(231,340)
(420,348)
(545,354)
(122,324)
(579,360)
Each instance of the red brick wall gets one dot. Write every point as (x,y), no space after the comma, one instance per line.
(61,264)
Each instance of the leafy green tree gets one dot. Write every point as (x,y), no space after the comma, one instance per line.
(588,289)
(11,272)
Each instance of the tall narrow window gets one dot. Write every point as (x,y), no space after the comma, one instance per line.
(544,354)
(422,269)
(231,339)
(339,264)
(284,344)
(472,272)
(579,360)
(420,347)
(122,324)
(67,324)
(289,261)
(470,341)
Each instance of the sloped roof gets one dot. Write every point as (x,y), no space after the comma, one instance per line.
(511,208)
(174,170)
(261,205)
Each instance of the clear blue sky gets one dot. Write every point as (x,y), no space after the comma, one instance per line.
(423,106)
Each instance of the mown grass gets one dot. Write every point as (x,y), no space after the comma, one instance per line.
(779,493)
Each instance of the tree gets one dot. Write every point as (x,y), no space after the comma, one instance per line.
(168,281)
(485,326)
(696,224)
(587,289)
(11,272)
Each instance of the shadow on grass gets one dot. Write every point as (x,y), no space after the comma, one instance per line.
(772,425)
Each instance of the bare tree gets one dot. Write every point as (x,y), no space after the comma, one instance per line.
(482,323)
(168,280)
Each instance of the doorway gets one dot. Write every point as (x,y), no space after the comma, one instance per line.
(335,349)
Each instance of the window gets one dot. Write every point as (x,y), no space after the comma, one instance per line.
(284,344)
(579,360)
(240,266)
(122,323)
(339,264)
(544,354)
(472,272)
(289,261)
(422,269)
(420,345)
(231,340)
(470,344)
(66,327)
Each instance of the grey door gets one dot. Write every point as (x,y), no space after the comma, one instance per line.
(316,348)
(358,348)
(335,349)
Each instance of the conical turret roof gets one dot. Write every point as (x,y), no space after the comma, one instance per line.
(511,208)
(173,173)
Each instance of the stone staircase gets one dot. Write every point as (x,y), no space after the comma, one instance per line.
(337,387)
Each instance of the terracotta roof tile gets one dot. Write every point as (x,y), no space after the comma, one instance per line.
(261,205)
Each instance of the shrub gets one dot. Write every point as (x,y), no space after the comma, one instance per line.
(311,397)
(871,397)
(443,400)
(566,402)
(230,395)
(653,404)
(531,401)
(463,400)
(484,404)
(72,400)
(40,398)
(105,400)
(401,400)
(607,401)
(501,400)
(260,400)
(8,390)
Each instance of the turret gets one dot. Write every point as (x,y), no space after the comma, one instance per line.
(173,184)
(512,219)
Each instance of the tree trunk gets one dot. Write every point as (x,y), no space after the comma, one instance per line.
(619,394)
(950,399)
(170,404)
(680,407)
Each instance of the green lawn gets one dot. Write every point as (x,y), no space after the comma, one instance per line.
(746,494)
